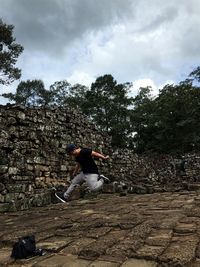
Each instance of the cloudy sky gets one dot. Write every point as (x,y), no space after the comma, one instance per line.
(147,42)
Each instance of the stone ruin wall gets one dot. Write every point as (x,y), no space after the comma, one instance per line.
(157,173)
(32,152)
(33,158)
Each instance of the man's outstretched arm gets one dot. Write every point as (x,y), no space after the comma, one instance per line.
(99,155)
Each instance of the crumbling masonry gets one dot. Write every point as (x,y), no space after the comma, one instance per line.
(33,158)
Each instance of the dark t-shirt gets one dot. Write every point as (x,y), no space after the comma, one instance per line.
(86,161)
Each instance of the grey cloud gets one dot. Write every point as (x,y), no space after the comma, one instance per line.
(51,25)
(189,45)
(167,16)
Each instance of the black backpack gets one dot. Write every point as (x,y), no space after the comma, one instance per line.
(24,247)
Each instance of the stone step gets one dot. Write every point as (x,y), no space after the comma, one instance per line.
(193,186)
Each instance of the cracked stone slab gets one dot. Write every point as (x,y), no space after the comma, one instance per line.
(196,263)
(134,231)
(134,240)
(5,256)
(180,251)
(63,261)
(185,228)
(99,247)
(101,231)
(98,263)
(149,252)
(159,237)
(139,263)
(76,246)
(54,244)
(170,222)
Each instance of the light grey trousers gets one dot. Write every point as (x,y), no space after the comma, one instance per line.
(91,180)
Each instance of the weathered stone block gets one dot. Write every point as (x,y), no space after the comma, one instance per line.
(21,115)
(4,207)
(63,260)
(3,169)
(9,197)
(181,250)
(39,160)
(108,188)
(11,121)
(63,168)
(12,170)
(16,188)
(137,189)
(21,178)
(29,167)
(2,187)
(139,263)
(2,198)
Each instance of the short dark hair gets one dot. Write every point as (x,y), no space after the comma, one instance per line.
(70,148)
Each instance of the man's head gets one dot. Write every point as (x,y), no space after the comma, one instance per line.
(70,148)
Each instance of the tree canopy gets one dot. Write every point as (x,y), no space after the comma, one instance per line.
(9,53)
(107,104)
(30,93)
(169,122)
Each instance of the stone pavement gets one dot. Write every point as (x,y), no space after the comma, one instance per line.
(155,230)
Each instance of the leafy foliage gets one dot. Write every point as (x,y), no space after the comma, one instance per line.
(195,74)
(30,93)
(9,52)
(168,123)
(107,104)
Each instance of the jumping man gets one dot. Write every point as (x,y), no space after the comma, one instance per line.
(89,171)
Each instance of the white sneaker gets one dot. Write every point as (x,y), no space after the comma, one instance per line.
(61,197)
(105,179)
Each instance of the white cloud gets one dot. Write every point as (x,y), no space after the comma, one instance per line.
(81,78)
(144,83)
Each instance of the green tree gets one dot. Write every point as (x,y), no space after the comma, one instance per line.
(9,53)
(78,97)
(195,74)
(59,93)
(178,112)
(168,123)
(30,93)
(65,94)
(142,119)
(107,104)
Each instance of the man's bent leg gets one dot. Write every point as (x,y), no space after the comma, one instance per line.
(92,181)
(77,180)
